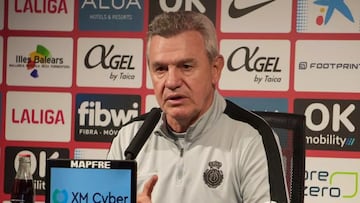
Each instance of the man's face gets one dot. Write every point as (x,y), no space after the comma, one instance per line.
(182,76)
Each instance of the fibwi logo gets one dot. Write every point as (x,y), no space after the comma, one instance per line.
(39,56)
(99,116)
(327,9)
(60,196)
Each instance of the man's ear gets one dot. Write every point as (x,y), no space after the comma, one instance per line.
(218,65)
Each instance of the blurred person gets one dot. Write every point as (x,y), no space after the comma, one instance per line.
(204,148)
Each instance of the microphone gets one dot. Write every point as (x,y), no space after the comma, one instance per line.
(143,134)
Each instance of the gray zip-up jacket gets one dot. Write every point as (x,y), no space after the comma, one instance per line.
(221,158)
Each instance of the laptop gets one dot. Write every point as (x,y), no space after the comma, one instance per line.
(78,180)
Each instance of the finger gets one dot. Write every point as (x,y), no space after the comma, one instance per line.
(149,185)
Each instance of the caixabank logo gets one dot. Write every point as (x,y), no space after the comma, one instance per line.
(206,7)
(38,164)
(99,117)
(331,124)
(111,15)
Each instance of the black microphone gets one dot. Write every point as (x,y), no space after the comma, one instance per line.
(143,134)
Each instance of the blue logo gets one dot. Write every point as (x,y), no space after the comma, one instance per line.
(60,196)
(111,15)
(333,5)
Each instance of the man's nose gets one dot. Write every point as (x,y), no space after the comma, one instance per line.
(173,79)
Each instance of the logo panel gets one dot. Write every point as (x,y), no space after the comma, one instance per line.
(38,164)
(328,16)
(111,15)
(332,180)
(255,65)
(37,116)
(90,153)
(99,117)
(206,7)
(1,58)
(36,61)
(318,65)
(331,124)
(110,62)
(2,9)
(256,16)
(54,15)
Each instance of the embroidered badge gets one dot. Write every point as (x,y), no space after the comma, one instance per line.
(213,176)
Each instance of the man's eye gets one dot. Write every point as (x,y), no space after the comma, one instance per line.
(187,66)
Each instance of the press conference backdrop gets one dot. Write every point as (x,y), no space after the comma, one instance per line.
(73,72)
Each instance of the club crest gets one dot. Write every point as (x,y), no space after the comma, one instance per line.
(213,176)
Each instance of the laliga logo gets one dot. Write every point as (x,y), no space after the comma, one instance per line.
(60,196)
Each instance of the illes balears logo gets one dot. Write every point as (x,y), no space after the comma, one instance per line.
(40,54)
(338,5)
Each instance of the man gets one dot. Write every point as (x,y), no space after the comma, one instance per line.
(204,148)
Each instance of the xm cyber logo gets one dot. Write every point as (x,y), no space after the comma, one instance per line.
(60,196)
(331,124)
(336,184)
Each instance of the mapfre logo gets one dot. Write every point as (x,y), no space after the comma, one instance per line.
(256,16)
(43,117)
(37,61)
(99,117)
(111,15)
(331,124)
(110,62)
(38,164)
(206,7)
(54,15)
(253,65)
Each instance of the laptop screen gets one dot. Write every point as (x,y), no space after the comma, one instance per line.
(70,180)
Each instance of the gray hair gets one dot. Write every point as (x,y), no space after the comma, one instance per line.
(173,23)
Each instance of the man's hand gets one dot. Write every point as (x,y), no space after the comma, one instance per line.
(145,195)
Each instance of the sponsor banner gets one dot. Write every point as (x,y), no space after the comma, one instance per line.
(54,15)
(90,153)
(38,116)
(39,61)
(1,58)
(328,16)
(206,7)
(151,102)
(110,62)
(261,104)
(2,9)
(266,104)
(38,164)
(331,124)
(111,15)
(318,66)
(332,180)
(255,65)
(99,117)
(256,16)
